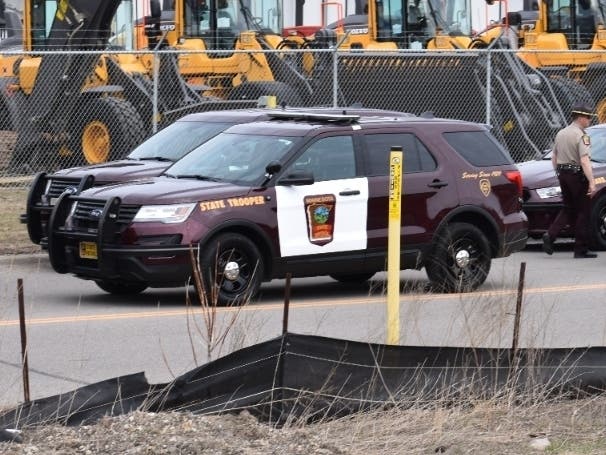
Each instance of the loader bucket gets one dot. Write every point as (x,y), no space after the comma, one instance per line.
(522,107)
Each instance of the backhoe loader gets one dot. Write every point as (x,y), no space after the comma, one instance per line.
(80,107)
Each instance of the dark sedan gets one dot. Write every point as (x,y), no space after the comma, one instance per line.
(543,199)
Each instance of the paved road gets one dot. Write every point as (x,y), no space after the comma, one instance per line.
(78,335)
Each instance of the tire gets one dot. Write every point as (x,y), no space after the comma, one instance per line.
(597,225)
(467,242)
(352,277)
(121,288)
(109,129)
(284,93)
(246,263)
(568,91)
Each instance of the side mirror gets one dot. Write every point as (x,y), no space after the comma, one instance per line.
(514,19)
(273,167)
(297,179)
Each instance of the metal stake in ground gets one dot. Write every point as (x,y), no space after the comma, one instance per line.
(23,340)
(516,324)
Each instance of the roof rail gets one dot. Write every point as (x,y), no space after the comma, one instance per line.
(302,115)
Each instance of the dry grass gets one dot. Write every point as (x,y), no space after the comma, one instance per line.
(14,234)
(480,427)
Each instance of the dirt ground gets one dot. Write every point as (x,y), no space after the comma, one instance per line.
(493,427)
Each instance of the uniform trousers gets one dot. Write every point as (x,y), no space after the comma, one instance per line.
(576,208)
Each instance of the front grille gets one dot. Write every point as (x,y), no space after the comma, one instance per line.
(88,212)
(59,184)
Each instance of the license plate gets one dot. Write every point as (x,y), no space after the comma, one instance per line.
(88,250)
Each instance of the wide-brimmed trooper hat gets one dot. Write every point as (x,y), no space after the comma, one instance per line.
(583,109)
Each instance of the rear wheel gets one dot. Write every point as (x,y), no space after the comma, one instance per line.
(232,269)
(121,288)
(459,260)
(109,129)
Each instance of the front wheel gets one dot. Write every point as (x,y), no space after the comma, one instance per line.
(459,260)
(597,225)
(109,129)
(232,269)
(121,288)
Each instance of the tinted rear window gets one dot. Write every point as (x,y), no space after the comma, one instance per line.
(478,148)
(378,146)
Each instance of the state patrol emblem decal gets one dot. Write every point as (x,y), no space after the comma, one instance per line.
(485,187)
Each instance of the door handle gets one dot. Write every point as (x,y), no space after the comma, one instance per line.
(349,193)
(437,184)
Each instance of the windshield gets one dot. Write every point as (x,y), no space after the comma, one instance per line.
(233,16)
(598,144)
(417,20)
(43,14)
(577,19)
(176,140)
(235,158)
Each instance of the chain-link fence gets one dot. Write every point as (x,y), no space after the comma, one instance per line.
(63,109)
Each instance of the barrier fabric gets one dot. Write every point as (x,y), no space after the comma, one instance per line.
(310,377)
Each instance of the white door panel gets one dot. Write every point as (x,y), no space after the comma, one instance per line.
(325,217)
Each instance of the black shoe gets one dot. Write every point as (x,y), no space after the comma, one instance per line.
(585,255)
(547,244)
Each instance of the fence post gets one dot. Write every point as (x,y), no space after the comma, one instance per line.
(335,85)
(488,86)
(156,84)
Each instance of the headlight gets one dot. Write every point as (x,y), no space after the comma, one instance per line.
(550,191)
(174,213)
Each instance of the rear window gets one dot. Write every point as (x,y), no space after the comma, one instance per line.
(479,148)
(378,146)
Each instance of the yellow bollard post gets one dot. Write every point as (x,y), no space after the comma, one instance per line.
(393,245)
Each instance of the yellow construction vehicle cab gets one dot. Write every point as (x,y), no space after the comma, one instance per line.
(569,37)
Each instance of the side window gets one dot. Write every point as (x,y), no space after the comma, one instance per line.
(376,155)
(478,148)
(329,158)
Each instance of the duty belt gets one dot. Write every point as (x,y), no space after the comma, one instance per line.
(569,167)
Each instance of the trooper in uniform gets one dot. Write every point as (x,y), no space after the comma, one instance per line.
(571,159)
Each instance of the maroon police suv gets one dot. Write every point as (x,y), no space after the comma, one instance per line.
(149,159)
(300,193)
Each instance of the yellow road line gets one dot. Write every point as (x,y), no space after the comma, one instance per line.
(307,304)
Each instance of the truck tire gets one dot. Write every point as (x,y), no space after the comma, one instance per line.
(284,93)
(232,269)
(108,130)
(459,260)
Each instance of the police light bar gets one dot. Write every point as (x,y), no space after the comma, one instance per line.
(301,115)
